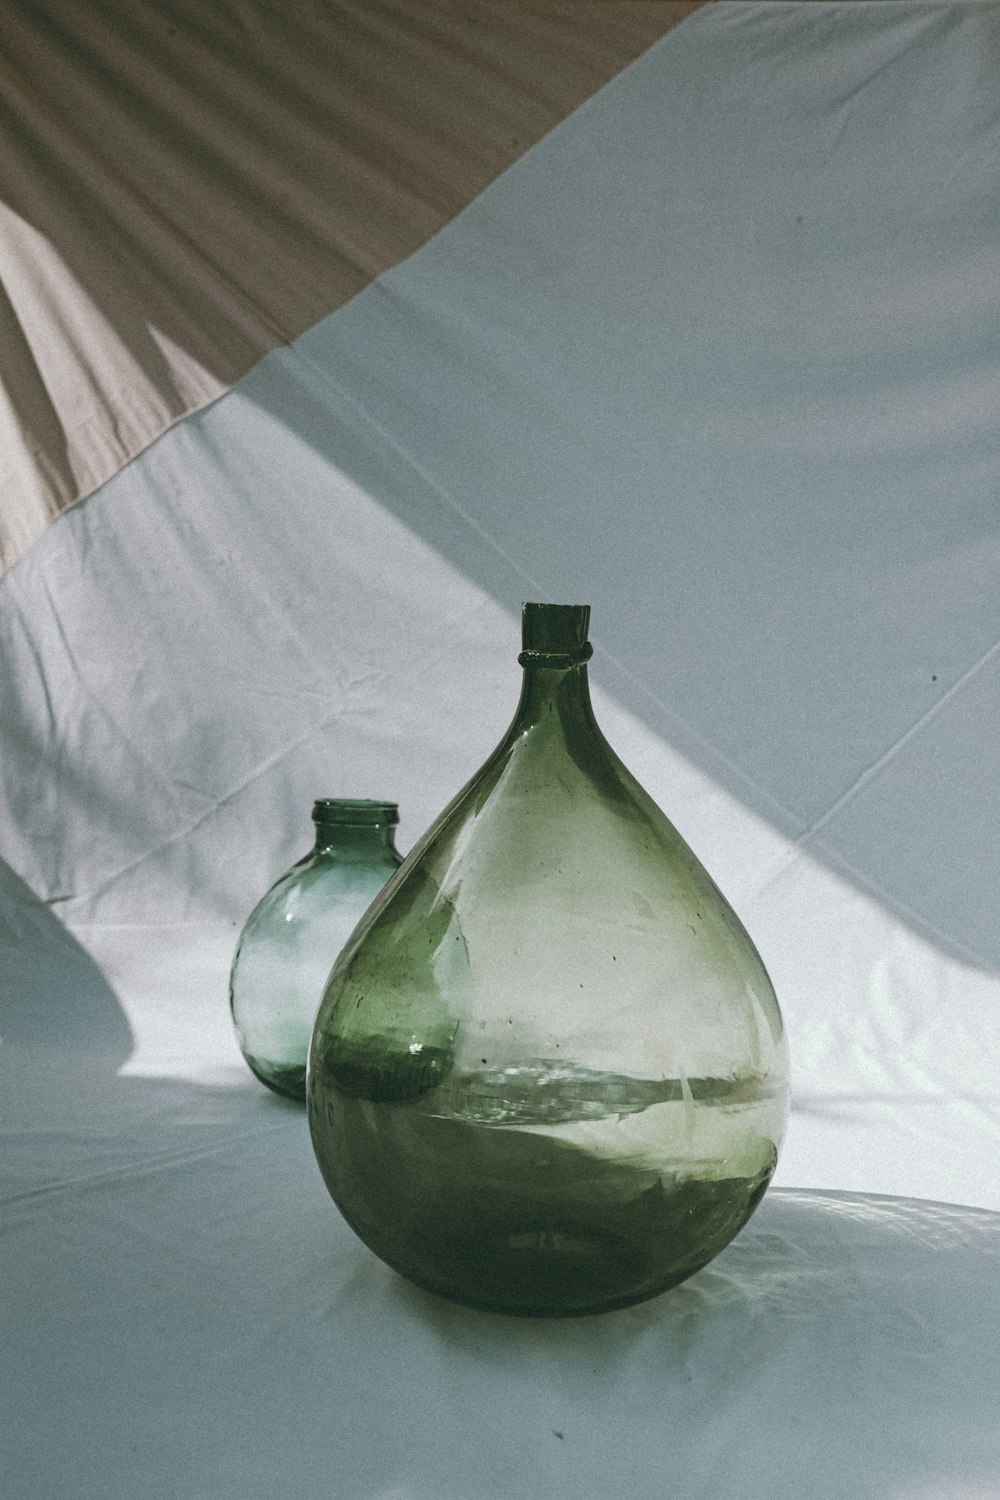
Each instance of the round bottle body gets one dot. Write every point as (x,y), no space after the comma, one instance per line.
(294,934)
(548,1074)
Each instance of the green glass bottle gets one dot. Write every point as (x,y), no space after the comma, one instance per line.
(549,1075)
(294,933)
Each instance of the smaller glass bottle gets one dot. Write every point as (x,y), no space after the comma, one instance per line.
(295,932)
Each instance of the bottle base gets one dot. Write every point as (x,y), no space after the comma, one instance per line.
(575,1268)
(288,1080)
(551,1274)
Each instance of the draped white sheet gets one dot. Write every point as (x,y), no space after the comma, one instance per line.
(719,355)
(184,187)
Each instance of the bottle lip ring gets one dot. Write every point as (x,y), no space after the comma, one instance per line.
(346,812)
(557,660)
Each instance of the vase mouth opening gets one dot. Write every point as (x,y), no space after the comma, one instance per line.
(555,635)
(356,812)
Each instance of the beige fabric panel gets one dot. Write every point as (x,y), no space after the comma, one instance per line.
(184,186)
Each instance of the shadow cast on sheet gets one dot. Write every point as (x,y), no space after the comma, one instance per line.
(52,994)
(929,880)
(64,1040)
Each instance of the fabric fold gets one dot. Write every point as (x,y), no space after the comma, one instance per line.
(182,190)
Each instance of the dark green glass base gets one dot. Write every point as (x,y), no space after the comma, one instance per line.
(574,1269)
(516,1221)
(290,1082)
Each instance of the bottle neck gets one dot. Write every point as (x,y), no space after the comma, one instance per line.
(555,700)
(352,841)
(555,694)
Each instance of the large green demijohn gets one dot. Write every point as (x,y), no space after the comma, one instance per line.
(548,1074)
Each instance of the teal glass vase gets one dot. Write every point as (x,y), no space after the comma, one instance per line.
(548,1074)
(295,932)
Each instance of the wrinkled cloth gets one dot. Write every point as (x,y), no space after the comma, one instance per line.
(183,188)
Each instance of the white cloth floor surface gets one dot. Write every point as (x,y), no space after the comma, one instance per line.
(719,356)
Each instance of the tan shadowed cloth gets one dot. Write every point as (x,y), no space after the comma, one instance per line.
(185,186)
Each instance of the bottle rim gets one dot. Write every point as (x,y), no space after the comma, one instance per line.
(354,811)
(555,635)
